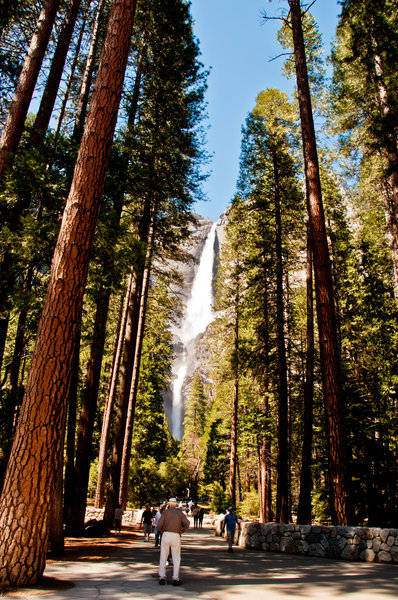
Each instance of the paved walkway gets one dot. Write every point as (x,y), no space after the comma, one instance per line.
(209,572)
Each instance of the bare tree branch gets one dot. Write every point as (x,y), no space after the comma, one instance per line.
(280,18)
(281,54)
(308,7)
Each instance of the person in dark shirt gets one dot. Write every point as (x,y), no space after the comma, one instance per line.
(230,522)
(146,520)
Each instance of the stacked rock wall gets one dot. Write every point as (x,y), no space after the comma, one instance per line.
(347,543)
(129,516)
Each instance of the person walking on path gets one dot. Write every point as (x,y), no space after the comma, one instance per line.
(201,515)
(171,525)
(195,514)
(146,520)
(230,522)
(155,522)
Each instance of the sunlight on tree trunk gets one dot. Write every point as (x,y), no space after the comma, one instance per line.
(330,359)
(28,492)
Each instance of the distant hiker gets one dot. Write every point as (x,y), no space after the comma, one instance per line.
(201,515)
(195,514)
(117,520)
(230,522)
(146,520)
(171,525)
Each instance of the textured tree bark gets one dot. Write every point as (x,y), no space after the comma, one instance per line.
(339,479)
(282,491)
(28,491)
(15,392)
(54,77)
(56,536)
(15,121)
(304,505)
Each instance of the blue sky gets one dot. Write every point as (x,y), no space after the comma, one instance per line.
(237,44)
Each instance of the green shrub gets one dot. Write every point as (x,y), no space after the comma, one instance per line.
(250,507)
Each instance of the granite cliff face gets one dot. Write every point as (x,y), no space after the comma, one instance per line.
(196,295)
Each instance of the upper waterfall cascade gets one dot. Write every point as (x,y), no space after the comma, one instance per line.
(198,315)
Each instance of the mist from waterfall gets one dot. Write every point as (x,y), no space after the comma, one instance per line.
(198,315)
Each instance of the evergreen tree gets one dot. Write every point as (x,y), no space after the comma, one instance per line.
(365,93)
(29,490)
(326,317)
(192,448)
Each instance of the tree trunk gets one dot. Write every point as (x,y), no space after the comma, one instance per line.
(123,400)
(69,478)
(304,506)
(339,479)
(247,474)
(234,412)
(89,403)
(110,399)
(56,536)
(87,416)
(71,76)
(125,461)
(54,78)
(88,74)
(3,337)
(14,124)
(136,90)
(13,398)
(10,138)
(148,213)
(282,492)
(265,448)
(28,492)
(391,150)
(121,330)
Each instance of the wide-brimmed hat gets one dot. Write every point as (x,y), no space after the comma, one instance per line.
(172,500)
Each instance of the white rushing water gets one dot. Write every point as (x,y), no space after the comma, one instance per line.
(198,315)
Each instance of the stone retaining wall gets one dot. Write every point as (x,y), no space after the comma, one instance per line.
(129,516)
(347,543)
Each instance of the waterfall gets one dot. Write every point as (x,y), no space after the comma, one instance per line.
(198,315)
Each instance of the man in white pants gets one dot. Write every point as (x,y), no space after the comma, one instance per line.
(172,524)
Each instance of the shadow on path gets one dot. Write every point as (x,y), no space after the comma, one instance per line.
(209,572)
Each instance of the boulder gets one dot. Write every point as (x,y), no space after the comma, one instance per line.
(367,555)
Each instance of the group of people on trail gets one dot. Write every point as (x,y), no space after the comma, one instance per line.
(170,522)
(198,514)
(171,525)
